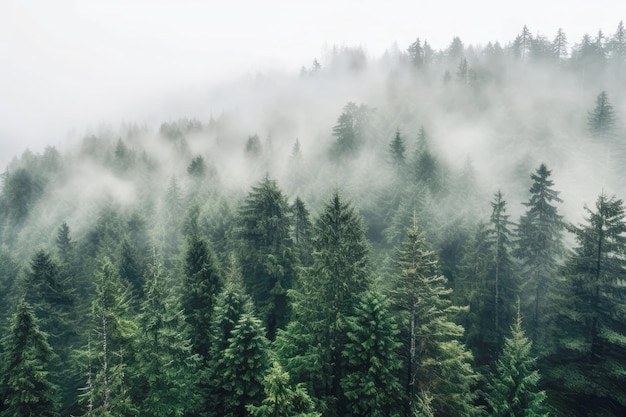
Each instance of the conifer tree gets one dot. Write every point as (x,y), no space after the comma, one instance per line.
(26,388)
(311,345)
(202,281)
(371,384)
(245,363)
(266,252)
(230,304)
(586,371)
(601,120)
(165,373)
(512,390)
(302,232)
(539,247)
(436,364)
(110,351)
(130,269)
(281,400)
(396,152)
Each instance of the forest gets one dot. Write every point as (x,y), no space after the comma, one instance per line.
(422,233)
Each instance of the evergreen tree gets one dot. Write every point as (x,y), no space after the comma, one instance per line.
(165,373)
(266,252)
(587,369)
(396,151)
(559,46)
(311,345)
(130,269)
(513,388)
(230,305)
(245,363)
(202,281)
(371,384)
(539,247)
(280,399)
(302,232)
(416,54)
(64,244)
(436,364)
(109,351)
(601,120)
(26,388)
(501,276)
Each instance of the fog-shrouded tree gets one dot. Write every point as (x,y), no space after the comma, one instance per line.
(165,374)
(25,382)
(202,281)
(513,387)
(559,46)
(539,247)
(266,253)
(436,365)
(397,150)
(586,371)
(325,296)
(601,121)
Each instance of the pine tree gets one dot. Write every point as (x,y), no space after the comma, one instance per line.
(230,305)
(396,151)
(245,363)
(302,232)
(202,281)
(130,269)
(601,120)
(502,280)
(26,388)
(586,371)
(281,400)
(311,345)
(436,364)
(165,374)
(266,252)
(539,247)
(371,384)
(512,390)
(109,351)
(559,46)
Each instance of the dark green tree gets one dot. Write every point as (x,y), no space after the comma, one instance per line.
(202,282)
(371,384)
(350,131)
(130,268)
(245,364)
(26,388)
(266,251)
(197,167)
(601,120)
(396,152)
(311,345)
(436,367)
(110,348)
(513,388)
(302,232)
(586,370)
(540,247)
(165,373)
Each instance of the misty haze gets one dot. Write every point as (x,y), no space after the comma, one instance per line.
(409,231)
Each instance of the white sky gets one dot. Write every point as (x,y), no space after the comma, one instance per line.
(70,64)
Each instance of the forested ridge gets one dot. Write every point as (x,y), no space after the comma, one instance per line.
(425,233)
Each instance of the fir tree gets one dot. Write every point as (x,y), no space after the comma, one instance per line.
(396,152)
(26,388)
(165,373)
(109,351)
(513,388)
(585,371)
(436,364)
(539,247)
(371,383)
(601,120)
(267,252)
(202,281)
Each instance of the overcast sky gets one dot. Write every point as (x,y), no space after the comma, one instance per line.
(65,65)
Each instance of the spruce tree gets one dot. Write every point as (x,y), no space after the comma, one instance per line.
(266,251)
(202,281)
(601,120)
(110,348)
(245,364)
(436,364)
(371,384)
(165,374)
(26,388)
(512,389)
(396,152)
(539,247)
(586,372)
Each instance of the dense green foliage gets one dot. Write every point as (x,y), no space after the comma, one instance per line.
(202,269)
